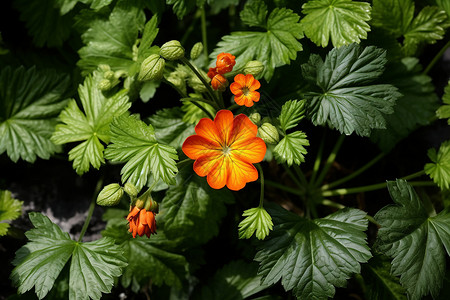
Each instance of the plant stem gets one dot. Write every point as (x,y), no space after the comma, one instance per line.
(293,177)
(367,188)
(327,202)
(283,187)
(90,210)
(233,106)
(188,31)
(318,160)
(436,58)
(372,220)
(204,35)
(300,175)
(330,160)
(203,109)
(202,79)
(184,162)
(261,197)
(355,173)
(414,175)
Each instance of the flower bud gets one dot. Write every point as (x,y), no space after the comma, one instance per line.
(269,133)
(104,85)
(110,195)
(109,75)
(172,50)
(254,67)
(219,82)
(196,50)
(130,189)
(152,68)
(225,63)
(255,118)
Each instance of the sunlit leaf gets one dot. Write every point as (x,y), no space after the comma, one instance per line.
(444,111)
(291,148)
(256,219)
(292,112)
(414,241)
(439,168)
(312,257)
(342,21)
(10,209)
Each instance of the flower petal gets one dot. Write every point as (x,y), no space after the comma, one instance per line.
(196,146)
(239,173)
(206,128)
(254,96)
(248,81)
(240,78)
(243,129)
(236,88)
(217,177)
(240,100)
(254,85)
(224,124)
(250,150)
(206,164)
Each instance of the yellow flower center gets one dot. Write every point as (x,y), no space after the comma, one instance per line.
(226,150)
(245,91)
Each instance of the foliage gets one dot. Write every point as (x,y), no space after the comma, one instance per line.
(102,97)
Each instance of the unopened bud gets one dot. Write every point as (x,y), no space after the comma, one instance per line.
(255,118)
(196,50)
(110,195)
(172,50)
(152,68)
(269,133)
(104,85)
(254,67)
(109,75)
(219,82)
(130,189)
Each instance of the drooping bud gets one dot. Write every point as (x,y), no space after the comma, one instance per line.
(269,133)
(255,118)
(130,189)
(225,63)
(172,50)
(219,82)
(110,195)
(196,50)
(254,67)
(152,68)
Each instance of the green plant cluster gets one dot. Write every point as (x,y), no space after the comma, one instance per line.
(123,83)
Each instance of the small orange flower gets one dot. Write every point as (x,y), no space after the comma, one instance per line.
(212,72)
(141,222)
(219,82)
(225,150)
(244,89)
(225,63)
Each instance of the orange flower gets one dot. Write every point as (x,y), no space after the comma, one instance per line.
(219,82)
(225,150)
(244,89)
(225,63)
(141,222)
(212,72)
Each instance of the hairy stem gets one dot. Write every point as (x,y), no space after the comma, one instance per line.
(261,173)
(90,210)
(318,160)
(329,161)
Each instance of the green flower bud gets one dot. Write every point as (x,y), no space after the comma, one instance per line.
(255,118)
(109,75)
(269,133)
(110,195)
(130,189)
(254,67)
(104,85)
(172,50)
(152,68)
(196,50)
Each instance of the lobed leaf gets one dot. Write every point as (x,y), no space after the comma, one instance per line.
(345,99)
(31,99)
(443,112)
(414,241)
(134,142)
(10,209)
(439,168)
(256,219)
(311,257)
(342,21)
(292,112)
(291,148)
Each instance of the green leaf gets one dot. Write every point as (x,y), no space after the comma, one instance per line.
(182,7)
(10,209)
(192,210)
(47,21)
(439,169)
(414,240)
(292,112)
(311,257)
(445,5)
(394,16)
(256,219)
(276,46)
(193,114)
(254,13)
(414,109)
(30,101)
(443,112)
(110,41)
(345,99)
(291,148)
(135,143)
(379,282)
(93,268)
(91,127)
(148,36)
(218,5)
(236,280)
(344,21)
(170,127)
(426,28)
